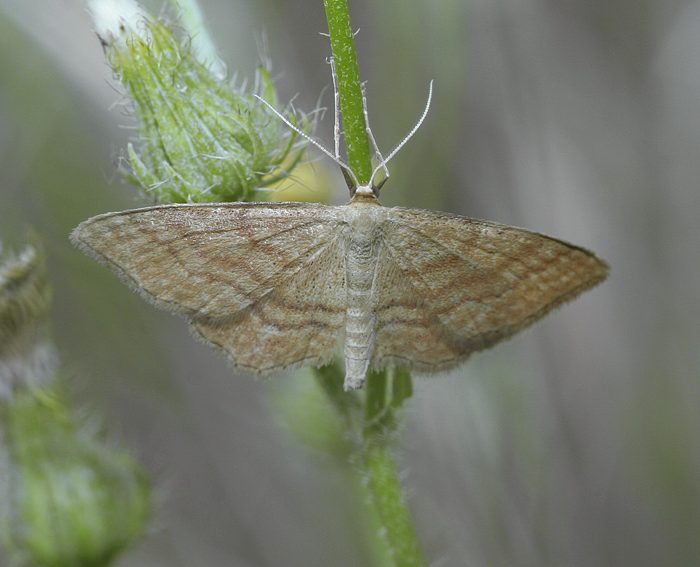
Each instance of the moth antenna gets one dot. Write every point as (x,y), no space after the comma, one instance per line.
(377,152)
(341,163)
(407,137)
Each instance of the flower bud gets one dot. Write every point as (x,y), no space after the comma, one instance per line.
(25,299)
(201,139)
(66,499)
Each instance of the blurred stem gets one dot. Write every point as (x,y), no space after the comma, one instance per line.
(387,495)
(349,89)
(190,16)
(386,392)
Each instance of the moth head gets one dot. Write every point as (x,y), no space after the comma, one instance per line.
(370,189)
(373,187)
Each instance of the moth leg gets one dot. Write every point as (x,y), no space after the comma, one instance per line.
(336,110)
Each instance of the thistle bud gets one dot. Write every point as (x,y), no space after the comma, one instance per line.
(66,499)
(201,139)
(26,356)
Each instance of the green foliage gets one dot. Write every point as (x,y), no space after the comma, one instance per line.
(25,295)
(303,407)
(26,356)
(74,501)
(201,139)
(66,498)
(386,392)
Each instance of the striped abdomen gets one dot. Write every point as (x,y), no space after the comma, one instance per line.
(360,321)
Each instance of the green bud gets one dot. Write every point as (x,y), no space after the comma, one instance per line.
(25,300)
(201,139)
(66,498)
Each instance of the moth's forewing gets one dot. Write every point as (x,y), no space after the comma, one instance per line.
(256,279)
(456,285)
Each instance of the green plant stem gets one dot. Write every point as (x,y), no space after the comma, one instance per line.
(385,392)
(387,495)
(349,89)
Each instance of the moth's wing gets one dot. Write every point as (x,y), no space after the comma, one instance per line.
(220,264)
(450,285)
(407,331)
(300,322)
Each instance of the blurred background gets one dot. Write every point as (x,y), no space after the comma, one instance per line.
(575,443)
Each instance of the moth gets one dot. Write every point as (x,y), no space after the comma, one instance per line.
(281,285)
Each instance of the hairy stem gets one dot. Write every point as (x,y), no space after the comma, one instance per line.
(349,89)
(387,495)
